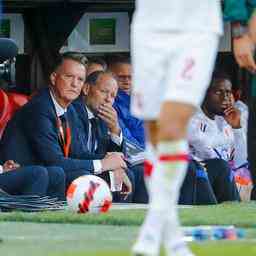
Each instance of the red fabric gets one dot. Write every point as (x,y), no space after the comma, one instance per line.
(148,168)
(17,100)
(9,104)
(5,111)
(174,158)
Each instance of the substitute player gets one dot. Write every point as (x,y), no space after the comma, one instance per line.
(174,44)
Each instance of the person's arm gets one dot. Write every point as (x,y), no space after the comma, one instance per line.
(252,25)
(132,128)
(243,47)
(233,117)
(238,12)
(136,136)
(240,145)
(109,115)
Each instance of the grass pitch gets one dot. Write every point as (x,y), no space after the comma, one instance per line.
(112,234)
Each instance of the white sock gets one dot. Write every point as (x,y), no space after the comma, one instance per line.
(164,186)
(150,235)
(173,159)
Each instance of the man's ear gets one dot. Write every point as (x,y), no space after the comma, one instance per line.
(53,78)
(85,89)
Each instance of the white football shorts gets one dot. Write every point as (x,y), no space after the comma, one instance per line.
(174,66)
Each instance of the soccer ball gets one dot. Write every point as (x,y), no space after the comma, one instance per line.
(89,193)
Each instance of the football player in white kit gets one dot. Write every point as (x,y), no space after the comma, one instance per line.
(174,45)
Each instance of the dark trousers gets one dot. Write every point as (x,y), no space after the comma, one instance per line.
(25,180)
(72,175)
(196,188)
(140,194)
(222,181)
(34,180)
(57,182)
(217,188)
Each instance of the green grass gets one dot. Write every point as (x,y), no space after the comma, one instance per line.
(239,214)
(35,239)
(112,234)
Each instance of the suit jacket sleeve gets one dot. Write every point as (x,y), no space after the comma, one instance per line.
(42,134)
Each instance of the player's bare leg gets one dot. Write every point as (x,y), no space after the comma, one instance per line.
(161,223)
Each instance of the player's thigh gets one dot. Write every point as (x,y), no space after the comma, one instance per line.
(191,67)
(149,66)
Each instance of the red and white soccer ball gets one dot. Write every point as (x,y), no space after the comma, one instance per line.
(89,193)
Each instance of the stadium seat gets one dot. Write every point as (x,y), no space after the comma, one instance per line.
(17,100)
(9,104)
(4,110)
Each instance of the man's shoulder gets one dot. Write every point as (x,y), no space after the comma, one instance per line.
(41,98)
(39,105)
(199,116)
(200,124)
(77,104)
(78,110)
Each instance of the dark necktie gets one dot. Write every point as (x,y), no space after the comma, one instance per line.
(63,120)
(93,134)
(65,134)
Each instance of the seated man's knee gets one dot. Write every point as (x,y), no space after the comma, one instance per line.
(36,172)
(56,174)
(219,165)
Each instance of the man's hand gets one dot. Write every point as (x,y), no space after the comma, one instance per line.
(10,165)
(233,117)
(113,161)
(127,186)
(109,115)
(122,180)
(244,52)
(252,28)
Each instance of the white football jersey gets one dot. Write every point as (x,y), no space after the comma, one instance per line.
(179,15)
(216,139)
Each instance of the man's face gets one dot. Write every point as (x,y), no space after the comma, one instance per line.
(219,97)
(123,71)
(68,80)
(103,92)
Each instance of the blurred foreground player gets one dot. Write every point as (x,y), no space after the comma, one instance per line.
(174,45)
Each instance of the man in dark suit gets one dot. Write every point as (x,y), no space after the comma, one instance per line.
(95,110)
(44,129)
